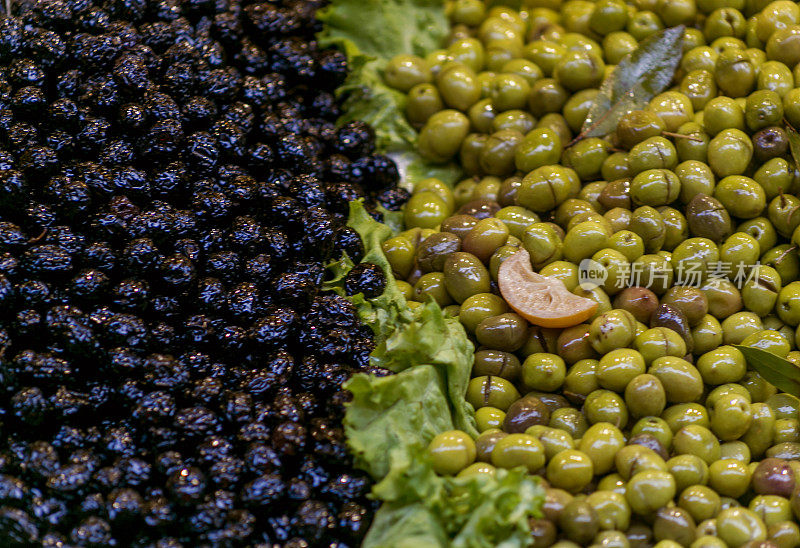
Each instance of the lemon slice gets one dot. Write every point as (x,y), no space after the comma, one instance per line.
(540,300)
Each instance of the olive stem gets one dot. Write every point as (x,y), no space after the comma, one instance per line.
(779,259)
(681,136)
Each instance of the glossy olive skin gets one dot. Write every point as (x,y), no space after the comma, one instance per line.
(505,332)
(451,452)
(689,300)
(433,251)
(441,136)
(645,396)
(639,301)
(675,524)
(708,218)
(674,319)
(574,344)
(492,392)
(465,276)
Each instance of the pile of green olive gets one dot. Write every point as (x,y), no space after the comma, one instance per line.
(645,423)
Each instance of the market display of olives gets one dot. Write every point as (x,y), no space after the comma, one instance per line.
(643,420)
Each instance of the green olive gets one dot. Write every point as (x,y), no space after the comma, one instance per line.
(541,146)
(700,501)
(601,443)
(614,329)
(458,86)
(489,418)
(586,157)
(484,239)
(403,72)
(762,429)
(688,470)
(738,526)
(697,440)
(441,136)
(730,416)
(465,275)
(543,244)
(645,396)
(581,379)
(543,371)
(431,286)
(518,450)
(612,509)
(656,427)
(451,452)
(479,307)
(570,469)
(684,414)
(633,459)
(649,490)
(547,187)
(605,406)
(505,332)
(490,391)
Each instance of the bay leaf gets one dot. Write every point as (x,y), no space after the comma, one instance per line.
(639,76)
(794,142)
(777,371)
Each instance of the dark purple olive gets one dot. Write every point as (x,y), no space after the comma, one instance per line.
(525,412)
(672,318)
(773,477)
(651,442)
(480,208)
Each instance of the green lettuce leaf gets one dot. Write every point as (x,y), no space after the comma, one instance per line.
(385,28)
(413,168)
(407,337)
(475,512)
(388,422)
(371,32)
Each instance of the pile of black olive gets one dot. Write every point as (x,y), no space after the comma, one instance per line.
(172,185)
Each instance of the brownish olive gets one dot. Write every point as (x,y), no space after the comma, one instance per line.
(503,332)
(689,300)
(485,443)
(554,502)
(543,532)
(579,522)
(708,218)
(639,301)
(553,402)
(672,318)
(573,344)
(770,142)
(433,251)
(675,524)
(774,477)
(639,535)
(496,363)
(507,194)
(525,412)
(459,224)
(651,442)
(616,194)
(481,208)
